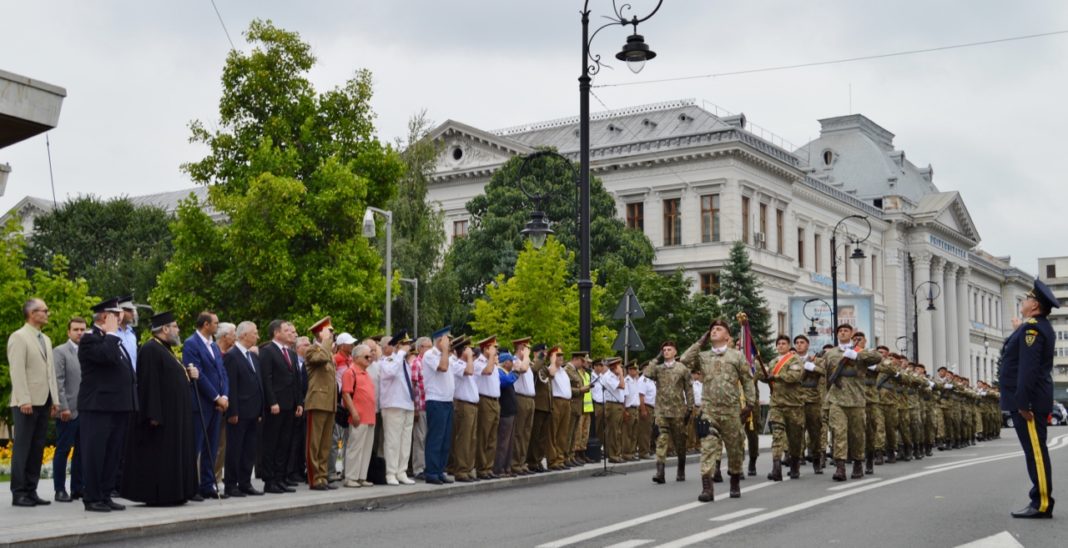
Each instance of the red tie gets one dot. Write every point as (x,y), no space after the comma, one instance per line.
(289,362)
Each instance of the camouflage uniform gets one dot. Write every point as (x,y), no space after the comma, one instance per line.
(674,399)
(787,416)
(889,394)
(721,402)
(811,395)
(848,401)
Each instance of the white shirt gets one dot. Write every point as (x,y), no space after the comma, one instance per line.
(630,398)
(647,388)
(488,385)
(597,390)
(524,384)
(466,389)
(438,385)
(610,384)
(395,391)
(561,384)
(697,393)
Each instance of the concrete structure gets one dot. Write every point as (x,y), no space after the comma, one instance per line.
(1054,272)
(695,182)
(27,108)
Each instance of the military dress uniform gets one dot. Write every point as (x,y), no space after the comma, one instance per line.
(674,400)
(725,371)
(787,414)
(847,407)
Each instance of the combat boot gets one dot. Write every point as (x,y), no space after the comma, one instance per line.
(906,455)
(718,476)
(879,458)
(736,488)
(858,470)
(659,477)
(752,465)
(891,456)
(680,474)
(839,471)
(776,470)
(869,464)
(706,489)
(817,467)
(918,452)
(928,450)
(795,469)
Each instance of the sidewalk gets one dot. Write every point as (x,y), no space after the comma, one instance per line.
(68,524)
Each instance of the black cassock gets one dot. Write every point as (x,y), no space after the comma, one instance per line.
(160,463)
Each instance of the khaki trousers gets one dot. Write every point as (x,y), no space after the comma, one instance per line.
(320,433)
(561,430)
(465,416)
(524,422)
(489,418)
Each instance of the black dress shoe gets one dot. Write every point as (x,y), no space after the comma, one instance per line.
(1031,512)
(62,496)
(40,501)
(250,491)
(433,480)
(114,494)
(290,482)
(97,507)
(23,501)
(273,488)
(196,498)
(286,488)
(114,505)
(76,495)
(234,492)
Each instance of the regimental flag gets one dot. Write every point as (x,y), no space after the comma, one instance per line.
(749,348)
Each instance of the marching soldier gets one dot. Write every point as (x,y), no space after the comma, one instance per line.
(786,416)
(724,371)
(674,400)
(846,396)
(874,427)
(809,389)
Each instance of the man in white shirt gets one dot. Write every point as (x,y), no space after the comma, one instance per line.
(398,408)
(439,383)
(524,417)
(489,410)
(631,402)
(561,408)
(465,411)
(646,412)
(613,387)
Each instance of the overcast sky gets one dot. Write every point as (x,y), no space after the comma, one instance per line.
(991,120)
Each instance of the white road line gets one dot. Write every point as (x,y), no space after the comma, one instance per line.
(588,535)
(1003,539)
(853,484)
(705,536)
(631,543)
(738,514)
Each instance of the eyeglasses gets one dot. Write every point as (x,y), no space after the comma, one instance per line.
(45,310)
(364,356)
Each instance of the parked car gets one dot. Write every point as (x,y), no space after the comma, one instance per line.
(1059,416)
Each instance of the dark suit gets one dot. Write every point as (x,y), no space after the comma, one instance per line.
(107,396)
(211,385)
(281,387)
(246,403)
(296,469)
(1025,379)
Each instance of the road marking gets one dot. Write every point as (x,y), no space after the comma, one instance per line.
(738,514)
(853,484)
(631,543)
(1003,539)
(588,535)
(705,536)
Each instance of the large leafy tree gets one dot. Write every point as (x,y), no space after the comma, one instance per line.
(501,212)
(540,301)
(294,170)
(739,291)
(118,247)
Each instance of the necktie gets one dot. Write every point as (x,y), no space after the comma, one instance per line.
(289,362)
(44,348)
(408,380)
(251,365)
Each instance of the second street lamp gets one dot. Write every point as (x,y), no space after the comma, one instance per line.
(856,255)
(812,331)
(369,232)
(933,291)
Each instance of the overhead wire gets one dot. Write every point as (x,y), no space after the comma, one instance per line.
(221,22)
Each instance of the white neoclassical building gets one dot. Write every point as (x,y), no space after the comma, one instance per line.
(696,182)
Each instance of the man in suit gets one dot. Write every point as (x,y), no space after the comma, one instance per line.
(35,396)
(245,411)
(68,379)
(210,396)
(284,402)
(320,404)
(107,396)
(296,467)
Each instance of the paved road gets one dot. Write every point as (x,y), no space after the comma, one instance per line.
(950,499)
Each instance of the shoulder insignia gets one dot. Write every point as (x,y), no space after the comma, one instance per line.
(1030,336)
(1032,321)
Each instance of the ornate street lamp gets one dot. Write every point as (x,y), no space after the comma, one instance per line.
(812,331)
(857,254)
(933,291)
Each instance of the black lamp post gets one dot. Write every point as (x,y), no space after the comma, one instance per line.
(857,254)
(537,229)
(902,344)
(635,53)
(812,332)
(933,291)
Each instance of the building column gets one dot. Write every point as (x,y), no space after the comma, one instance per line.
(922,272)
(938,334)
(949,284)
(964,326)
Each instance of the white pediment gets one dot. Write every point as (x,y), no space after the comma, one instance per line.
(947,210)
(465,149)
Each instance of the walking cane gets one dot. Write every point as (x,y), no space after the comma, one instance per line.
(204,430)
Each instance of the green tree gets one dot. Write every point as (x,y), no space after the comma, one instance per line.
(294,171)
(540,301)
(672,310)
(118,247)
(739,291)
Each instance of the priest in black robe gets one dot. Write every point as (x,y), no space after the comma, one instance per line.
(160,466)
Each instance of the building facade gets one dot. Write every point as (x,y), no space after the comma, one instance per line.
(1054,272)
(695,182)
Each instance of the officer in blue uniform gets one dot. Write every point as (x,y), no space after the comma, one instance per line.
(1027,393)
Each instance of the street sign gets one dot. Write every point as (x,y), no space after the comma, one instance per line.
(628,339)
(629,307)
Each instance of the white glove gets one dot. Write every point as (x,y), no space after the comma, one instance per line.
(898,374)
(930,384)
(851,354)
(872,367)
(949,385)
(809,366)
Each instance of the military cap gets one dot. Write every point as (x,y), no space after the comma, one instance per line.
(441,332)
(669,343)
(539,347)
(321,325)
(126,302)
(162,319)
(633,364)
(517,342)
(554,350)
(107,305)
(400,337)
(580,354)
(842,326)
(1041,293)
(613,360)
(488,341)
(460,342)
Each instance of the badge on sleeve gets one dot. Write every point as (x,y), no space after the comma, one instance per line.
(1029,336)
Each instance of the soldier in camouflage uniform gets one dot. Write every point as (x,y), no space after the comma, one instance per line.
(846,396)
(890,395)
(874,428)
(787,414)
(674,399)
(810,394)
(725,371)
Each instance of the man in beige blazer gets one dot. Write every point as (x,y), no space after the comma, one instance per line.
(35,399)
